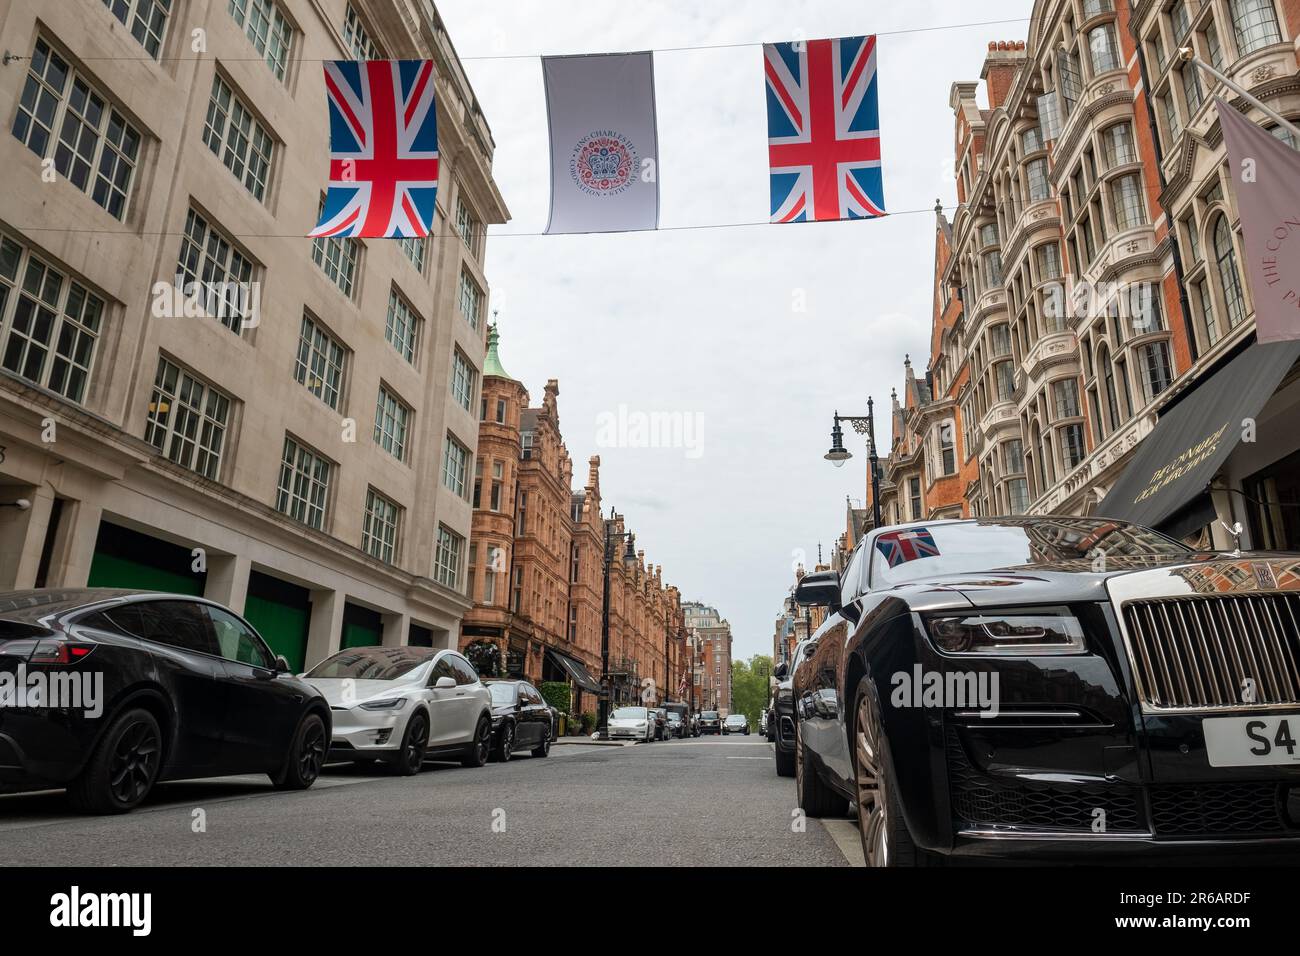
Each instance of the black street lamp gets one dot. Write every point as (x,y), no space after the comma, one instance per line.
(602,720)
(838,455)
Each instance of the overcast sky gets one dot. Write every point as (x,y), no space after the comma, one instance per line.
(704,322)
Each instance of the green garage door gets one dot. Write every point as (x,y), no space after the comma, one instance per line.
(128,559)
(281,612)
(362,627)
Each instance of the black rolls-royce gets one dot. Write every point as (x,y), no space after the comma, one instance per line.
(1052,685)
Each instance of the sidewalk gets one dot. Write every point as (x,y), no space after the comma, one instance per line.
(591,742)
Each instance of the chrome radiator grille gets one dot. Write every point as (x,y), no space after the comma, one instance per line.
(1216,652)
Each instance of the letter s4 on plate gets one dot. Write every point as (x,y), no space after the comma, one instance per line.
(1252,741)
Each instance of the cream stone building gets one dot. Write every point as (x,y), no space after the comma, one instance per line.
(306,460)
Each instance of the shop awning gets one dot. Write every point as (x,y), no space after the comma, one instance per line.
(575,669)
(1172,467)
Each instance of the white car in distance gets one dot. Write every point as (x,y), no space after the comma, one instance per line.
(403,705)
(635,723)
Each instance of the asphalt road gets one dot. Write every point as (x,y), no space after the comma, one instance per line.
(712,801)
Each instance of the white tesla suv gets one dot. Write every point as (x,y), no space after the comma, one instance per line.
(404,705)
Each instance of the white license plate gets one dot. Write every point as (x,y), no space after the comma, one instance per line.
(1252,741)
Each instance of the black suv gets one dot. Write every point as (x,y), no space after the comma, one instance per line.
(710,722)
(157,687)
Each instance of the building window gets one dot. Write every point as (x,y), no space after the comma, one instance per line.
(1130,212)
(999,340)
(218,273)
(988,235)
(402,330)
(463,378)
(1189,75)
(1093,8)
(1031,140)
(1213,45)
(947,449)
(187,420)
(304,485)
(992,269)
(146,19)
(466,225)
(1065,394)
(1104,49)
(1005,376)
(357,39)
(240,141)
(49,324)
(337,258)
(1049,261)
(446,568)
(1073,450)
(498,480)
(526,445)
(413,248)
(501,411)
(1156,373)
(320,363)
(522,527)
(914,498)
(1117,142)
(1017,496)
(267,29)
(1205,298)
(1036,175)
(391,419)
(471,300)
(1254,23)
(96,148)
(1013,457)
(493,567)
(1225,257)
(379,527)
(455,466)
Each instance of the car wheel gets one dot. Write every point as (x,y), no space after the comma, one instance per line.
(414,742)
(885,839)
(544,749)
(306,756)
(505,743)
(784,763)
(476,755)
(815,798)
(123,767)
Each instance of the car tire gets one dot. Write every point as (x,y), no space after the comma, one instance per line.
(544,749)
(505,743)
(881,827)
(784,763)
(410,758)
(306,757)
(815,798)
(476,754)
(133,742)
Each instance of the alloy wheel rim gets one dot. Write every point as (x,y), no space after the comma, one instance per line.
(415,748)
(484,741)
(873,816)
(313,754)
(798,761)
(507,743)
(135,757)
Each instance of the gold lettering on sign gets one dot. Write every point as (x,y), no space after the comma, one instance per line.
(1183,463)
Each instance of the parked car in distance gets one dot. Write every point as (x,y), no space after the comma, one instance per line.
(521,719)
(710,722)
(690,720)
(182,687)
(780,724)
(675,726)
(404,705)
(632,723)
(736,724)
(975,681)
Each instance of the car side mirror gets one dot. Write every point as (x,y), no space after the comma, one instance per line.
(445,683)
(820,589)
(282,665)
(781,671)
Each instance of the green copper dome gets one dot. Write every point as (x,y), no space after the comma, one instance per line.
(492,364)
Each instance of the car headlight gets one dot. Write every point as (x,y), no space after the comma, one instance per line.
(393,703)
(1012,634)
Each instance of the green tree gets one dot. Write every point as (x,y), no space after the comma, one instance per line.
(750,683)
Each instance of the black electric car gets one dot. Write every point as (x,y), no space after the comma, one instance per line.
(137,687)
(521,719)
(1052,685)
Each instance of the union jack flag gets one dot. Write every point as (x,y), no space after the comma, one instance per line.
(383,149)
(823,130)
(899,547)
